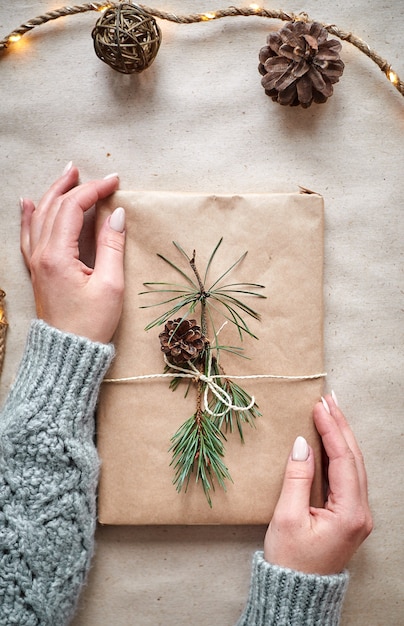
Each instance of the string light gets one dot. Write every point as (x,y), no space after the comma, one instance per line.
(208,16)
(2,311)
(392,76)
(14,38)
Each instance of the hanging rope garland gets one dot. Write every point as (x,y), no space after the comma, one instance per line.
(3,328)
(299,64)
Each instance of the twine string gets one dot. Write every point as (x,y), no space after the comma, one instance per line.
(130,379)
(232,11)
(211,385)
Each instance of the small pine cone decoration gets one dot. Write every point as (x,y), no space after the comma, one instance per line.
(182,341)
(299,64)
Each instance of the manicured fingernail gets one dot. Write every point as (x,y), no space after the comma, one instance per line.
(22,204)
(300,451)
(334,397)
(67,168)
(117,220)
(325,405)
(114,175)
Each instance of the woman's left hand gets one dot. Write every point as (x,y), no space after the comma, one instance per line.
(69,295)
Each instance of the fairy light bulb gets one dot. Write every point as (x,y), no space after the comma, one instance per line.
(14,38)
(255,7)
(208,16)
(3,320)
(392,76)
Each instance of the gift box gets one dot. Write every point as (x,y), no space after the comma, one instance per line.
(138,413)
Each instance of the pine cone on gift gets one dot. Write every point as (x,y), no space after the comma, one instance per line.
(299,64)
(182,341)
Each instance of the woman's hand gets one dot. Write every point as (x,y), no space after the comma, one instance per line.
(69,295)
(315,540)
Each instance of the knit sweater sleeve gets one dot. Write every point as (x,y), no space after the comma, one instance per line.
(283,597)
(48,477)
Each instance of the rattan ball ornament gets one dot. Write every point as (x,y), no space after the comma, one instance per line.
(127,38)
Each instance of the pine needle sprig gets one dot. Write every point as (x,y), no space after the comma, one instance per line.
(230,314)
(183,302)
(193,293)
(197,448)
(222,406)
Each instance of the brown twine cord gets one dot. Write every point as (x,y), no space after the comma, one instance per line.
(383,64)
(3,329)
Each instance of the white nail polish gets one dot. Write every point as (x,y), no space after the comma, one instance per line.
(67,168)
(325,405)
(334,397)
(300,451)
(114,175)
(22,204)
(117,220)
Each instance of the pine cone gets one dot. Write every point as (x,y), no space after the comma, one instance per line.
(182,341)
(299,65)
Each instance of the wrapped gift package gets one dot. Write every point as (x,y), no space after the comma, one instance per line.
(136,419)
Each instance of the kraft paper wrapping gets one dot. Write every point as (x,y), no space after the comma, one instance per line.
(283,234)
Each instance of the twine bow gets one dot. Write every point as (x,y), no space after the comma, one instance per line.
(222,395)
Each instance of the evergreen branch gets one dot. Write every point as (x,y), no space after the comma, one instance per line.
(236,350)
(202,291)
(209,313)
(234,316)
(171,313)
(197,447)
(211,258)
(187,278)
(175,381)
(245,285)
(186,299)
(239,398)
(244,291)
(182,288)
(228,418)
(238,303)
(228,271)
(180,249)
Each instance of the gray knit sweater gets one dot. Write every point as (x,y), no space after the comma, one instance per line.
(48,478)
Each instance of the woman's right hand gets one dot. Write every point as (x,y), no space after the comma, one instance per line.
(321,540)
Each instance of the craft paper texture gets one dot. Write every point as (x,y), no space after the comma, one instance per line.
(283,234)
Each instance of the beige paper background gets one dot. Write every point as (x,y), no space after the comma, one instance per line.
(283,234)
(198,120)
